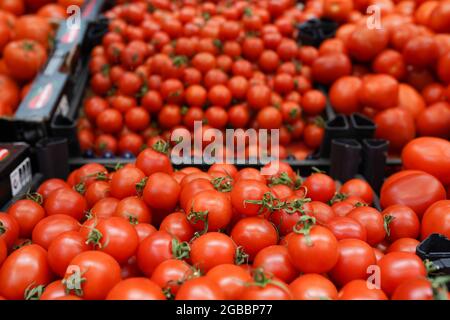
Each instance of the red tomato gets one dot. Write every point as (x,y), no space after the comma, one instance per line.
(9,229)
(343,94)
(400,222)
(169,274)
(63,249)
(136,289)
(358,188)
(24,268)
(372,220)
(204,250)
(379,91)
(51,227)
(95,272)
(50,185)
(436,219)
(27,213)
(312,287)
(347,228)
(355,256)
(400,188)
(431,155)
(66,202)
(202,288)
(359,290)
(320,187)
(134,210)
(395,125)
(230,278)
(151,161)
(161,197)
(124,182)
(415,289)
(246,190)
(403,245)
(397,267)
(266,288)
(276,261)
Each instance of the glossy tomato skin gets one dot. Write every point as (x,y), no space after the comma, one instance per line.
(51,227)
(372,221)
(123,182)
(151,161)
(161,198)
(153,250)
(275,260)
(317,254)
(320,187)
(359,290)
(404,222)
(27,213)
(358,188)
(355,256)
(53,291)
(101,273)
(401,188)
(429,154)
(63,249)
(66,201)
(436,219)
(253,235)
(313,286)
(50,185)
(415,289)
(201,288)
(9,229)
(274,290)
(204,250)
(25,267)
(230,278)
(170,273)
(395,125)
(133,209)
(396,267)
(347,228)
(178,225)
(248,190)
(136,289)
(403,245)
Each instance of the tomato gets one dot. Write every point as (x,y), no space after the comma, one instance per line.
(337,10)
(434,92)
(442,68)
(414,289)
(430,155)
(230,278)
(161,198)
(115,236)
(365,43)
(390,62)
(395,125)
(421,51)
(51,227)
(177,224)
(209,210)
(27,213)
(89,173)
(403,245)
(275,260)
(63,249)
(24,58)
(53,291)
(401,222)
(151,161)
(358,188)
(320,187)
(136,289)
(330,67)
(155,249)
(347,228)
(355,256)
(360,290)
(436,219)
(169,274)
(53,11)
(10,93)
(66,202)
(204,250)
(343,94)
(253,235)
(373,222)
(202,288)
(95,272)
(312,287)
(189,190)
(133,209)
(397,267)
(248,190)
(105,208)
(270,289)
(316,243)
(313,135)
(3,251)
(379,91)
(110,121)
(24,268)
(144,230)
(269,118)
(124,182)
(9,229)
(400,189)
(342,208)
(137,119)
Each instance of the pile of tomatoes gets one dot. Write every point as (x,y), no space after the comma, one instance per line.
(27,28)
(147,231)
(392,65)
(230,64)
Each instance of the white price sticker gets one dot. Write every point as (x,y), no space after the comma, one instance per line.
(20,177)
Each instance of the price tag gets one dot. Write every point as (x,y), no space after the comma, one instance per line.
(20,177)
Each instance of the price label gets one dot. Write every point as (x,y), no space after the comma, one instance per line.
(20,177)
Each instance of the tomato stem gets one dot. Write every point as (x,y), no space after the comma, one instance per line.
(241,257)
(180,250)
(2,228)
(269,202)
(223,184)
(304,226)
(34,293)
(195,216)
(386,221)
(36,197)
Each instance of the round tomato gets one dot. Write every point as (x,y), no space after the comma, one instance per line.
(27,213)
(66,202)
(400,222)
(51,227)
(170,274)
(136,289)
(9,229)
(395,125)
(160,197)
(275,260)
(360,290)
(230,278)
(313,287)
(358,188)
(436,219)
(202,288)
(204,251)
(24,58)
(372,220)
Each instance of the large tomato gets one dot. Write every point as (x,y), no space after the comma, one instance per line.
(401,188)
(429,154)
(343,94)
(136,289)
(436,219)
(379,91)
(25,268)
(92,274)
(24,58)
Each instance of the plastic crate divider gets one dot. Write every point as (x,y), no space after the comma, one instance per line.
(345,159)
(51,151)
(374,161)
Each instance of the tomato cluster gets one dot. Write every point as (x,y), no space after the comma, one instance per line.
(392,65)
(164,65)
(147,231)
(26,36)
